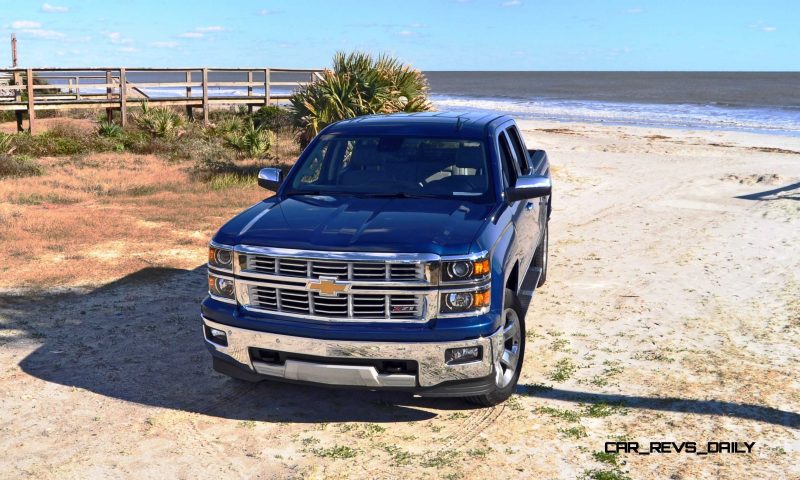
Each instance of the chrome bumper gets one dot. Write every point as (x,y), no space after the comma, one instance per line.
(431,367)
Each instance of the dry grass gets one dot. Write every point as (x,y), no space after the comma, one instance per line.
(93,219)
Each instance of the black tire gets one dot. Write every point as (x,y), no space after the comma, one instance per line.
(505,380)
(541,254)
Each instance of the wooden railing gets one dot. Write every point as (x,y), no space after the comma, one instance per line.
(115,89)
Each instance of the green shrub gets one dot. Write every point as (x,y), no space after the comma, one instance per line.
(109,129)
(273,118)
(251,140)
(18,166)
(5,142)
(359,84)
(159,122)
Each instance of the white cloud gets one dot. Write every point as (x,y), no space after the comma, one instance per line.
(25,24)
(213,28)
(406,33)
(117,38)
(127,49)
(760,25)
(512,3)
(47,8)
(634,11)
(191,35)
(40,33)
(264,12)
(164,44)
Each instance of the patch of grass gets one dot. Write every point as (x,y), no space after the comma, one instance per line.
(441,459)
(457,415)
(225,181)
(18,166)
(398,456)
(611,370)
(560,345)
(653,356)
(246,424)
(308,441)
(576,432)
(563,371)
(372,429)
(566,415)
(605,457)
(599,410)
(39,199)
(337,451)
(513,403)
(109,129)
(478,452)
(613,474)
(159,122)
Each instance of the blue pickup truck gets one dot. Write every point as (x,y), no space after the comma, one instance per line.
(390,257)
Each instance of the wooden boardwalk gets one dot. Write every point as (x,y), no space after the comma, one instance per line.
(119,88)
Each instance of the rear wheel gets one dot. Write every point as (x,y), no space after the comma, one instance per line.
(540,255)
(509,365)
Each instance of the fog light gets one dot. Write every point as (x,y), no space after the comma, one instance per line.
(217,336)
(459,300)
(454,356)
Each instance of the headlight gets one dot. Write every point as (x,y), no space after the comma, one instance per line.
(220,287)
(221,258)
(461,302)
(465,269)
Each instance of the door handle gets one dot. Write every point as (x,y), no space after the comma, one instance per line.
(529,206)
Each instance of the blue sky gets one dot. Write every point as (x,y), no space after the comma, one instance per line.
(432,35)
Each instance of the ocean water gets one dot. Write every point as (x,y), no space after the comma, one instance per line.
(748,101)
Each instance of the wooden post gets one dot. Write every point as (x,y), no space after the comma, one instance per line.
(31,110)
(249,91)
(123,98)
(266,86)
(14,50)
(77,88)
(17,80)
(205,96)
(189,112)
(109,95)
(18,98)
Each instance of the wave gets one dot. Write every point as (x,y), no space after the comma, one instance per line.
(772,120)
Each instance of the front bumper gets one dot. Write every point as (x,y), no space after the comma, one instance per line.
(350,363)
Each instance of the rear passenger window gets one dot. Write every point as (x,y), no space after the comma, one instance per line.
(519,150)
(507,160)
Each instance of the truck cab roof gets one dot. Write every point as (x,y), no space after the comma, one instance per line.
(426,124)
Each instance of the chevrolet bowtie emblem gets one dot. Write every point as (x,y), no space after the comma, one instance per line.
(327,287)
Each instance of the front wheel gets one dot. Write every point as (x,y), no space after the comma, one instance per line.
(508,367)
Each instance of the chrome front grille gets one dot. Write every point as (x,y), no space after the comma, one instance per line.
(368,287)
(354,305)
(340,269)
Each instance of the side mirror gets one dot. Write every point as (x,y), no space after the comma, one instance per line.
(270,178)
(529,186)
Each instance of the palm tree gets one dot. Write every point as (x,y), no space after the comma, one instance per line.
(359,84)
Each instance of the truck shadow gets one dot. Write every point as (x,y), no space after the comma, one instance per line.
(775,194)
(682,405)
(139,339)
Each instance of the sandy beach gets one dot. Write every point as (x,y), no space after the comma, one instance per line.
(671,313)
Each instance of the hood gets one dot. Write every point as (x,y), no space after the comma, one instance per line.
(439,226)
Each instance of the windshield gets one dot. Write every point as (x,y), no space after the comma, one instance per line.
(394,165)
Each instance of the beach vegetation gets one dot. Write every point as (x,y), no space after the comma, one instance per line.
(359,84)
(159,122)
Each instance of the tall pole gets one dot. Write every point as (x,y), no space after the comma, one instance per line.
(17,113)
(13,50)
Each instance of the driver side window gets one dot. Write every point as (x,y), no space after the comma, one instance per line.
(507,160)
